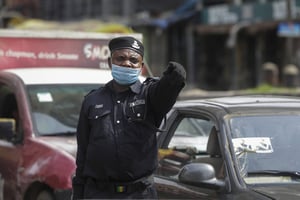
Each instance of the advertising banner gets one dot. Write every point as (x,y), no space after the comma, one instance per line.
(23,52)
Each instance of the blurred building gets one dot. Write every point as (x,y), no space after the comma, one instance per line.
(222,43)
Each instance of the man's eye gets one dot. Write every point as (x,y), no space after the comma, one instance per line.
(134,60)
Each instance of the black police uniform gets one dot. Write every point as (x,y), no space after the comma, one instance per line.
(116,134)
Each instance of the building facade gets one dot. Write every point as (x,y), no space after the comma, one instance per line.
(222,43)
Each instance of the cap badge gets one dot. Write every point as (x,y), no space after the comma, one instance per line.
(135,45)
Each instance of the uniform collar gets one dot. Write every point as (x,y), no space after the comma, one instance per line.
(135,87)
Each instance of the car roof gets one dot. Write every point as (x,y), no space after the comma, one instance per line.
(251,103)
(63,75)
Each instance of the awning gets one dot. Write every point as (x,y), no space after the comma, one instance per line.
(251,28)
(183,12)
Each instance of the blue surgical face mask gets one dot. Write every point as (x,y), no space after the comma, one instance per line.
(125,75)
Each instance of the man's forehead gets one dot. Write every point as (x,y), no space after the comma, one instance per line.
(125,52)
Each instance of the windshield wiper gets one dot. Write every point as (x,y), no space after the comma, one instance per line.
(295,174)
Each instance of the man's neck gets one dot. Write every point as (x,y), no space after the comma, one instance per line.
(119,88)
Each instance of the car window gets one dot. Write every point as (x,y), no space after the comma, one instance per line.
(187,144)
(9,112)
(191,133)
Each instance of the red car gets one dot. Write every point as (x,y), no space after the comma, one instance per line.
(38,117)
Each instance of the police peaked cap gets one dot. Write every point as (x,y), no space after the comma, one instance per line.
(126,42)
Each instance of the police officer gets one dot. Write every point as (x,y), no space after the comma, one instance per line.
(116,133)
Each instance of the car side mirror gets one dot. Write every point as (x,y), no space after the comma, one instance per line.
(201,175)
(7,128)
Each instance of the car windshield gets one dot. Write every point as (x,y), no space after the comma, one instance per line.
(55,109)
(266,147)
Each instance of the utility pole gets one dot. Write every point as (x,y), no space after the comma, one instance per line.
(289,42)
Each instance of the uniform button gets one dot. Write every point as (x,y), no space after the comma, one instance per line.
(118,121)
(118,101)
(138,114)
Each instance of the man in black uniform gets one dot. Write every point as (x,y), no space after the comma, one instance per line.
(116,133)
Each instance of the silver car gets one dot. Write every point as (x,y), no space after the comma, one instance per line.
(240,147)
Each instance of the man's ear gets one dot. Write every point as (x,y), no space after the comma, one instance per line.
(109,62)
(143,69)
(143,65)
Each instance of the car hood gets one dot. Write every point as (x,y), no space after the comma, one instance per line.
(288,191)
(66,143)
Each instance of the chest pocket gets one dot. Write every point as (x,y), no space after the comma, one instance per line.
(136,109)
(100,122)
(97,113)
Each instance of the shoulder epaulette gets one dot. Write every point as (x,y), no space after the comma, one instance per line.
(92,91)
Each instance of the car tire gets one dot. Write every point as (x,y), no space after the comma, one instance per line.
(40,192)
(45,195)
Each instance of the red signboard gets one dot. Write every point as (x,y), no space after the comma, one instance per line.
(45,52)
(63,51)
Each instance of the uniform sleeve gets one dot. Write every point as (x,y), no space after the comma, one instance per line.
(163,93)
(82,142)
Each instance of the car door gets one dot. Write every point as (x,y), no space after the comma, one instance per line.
(10,160)
(184,142)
